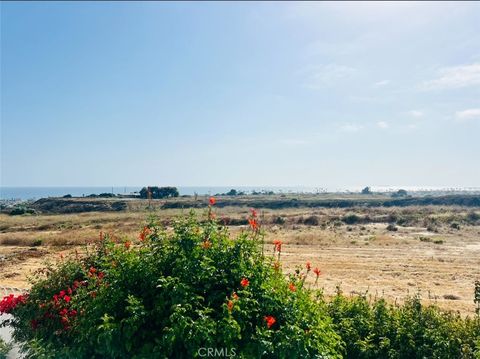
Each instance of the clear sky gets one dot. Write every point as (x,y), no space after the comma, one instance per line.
(313,94)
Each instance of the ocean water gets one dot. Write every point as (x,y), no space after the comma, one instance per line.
(30,193)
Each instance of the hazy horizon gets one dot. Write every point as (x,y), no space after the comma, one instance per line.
(284,94)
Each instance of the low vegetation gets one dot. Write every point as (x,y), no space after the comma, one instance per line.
(4,348)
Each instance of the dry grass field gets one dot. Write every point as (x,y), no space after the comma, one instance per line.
(431,250)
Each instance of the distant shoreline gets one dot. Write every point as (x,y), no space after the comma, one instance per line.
(35,193)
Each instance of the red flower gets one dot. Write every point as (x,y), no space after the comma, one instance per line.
(253,223)
(212,201)
(69,290)
(128,244)
(72,313)
(317,271)
(254,212)
(101,275)
(62,293)
(270,320)
(66,298)
(230,305)
(144,233)
(309,266)
(8,303)
(292,287)
(277,245)
(63,312)
(244,282)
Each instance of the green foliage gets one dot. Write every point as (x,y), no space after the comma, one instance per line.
(170,295)
(351,218)
(17,211)
(392,227)
(158,192)
(379,330)
(4,348)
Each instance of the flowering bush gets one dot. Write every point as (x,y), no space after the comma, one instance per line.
(173,293)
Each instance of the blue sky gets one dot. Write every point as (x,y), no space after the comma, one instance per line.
(313,94)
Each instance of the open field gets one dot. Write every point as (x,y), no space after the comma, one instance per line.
(434,250)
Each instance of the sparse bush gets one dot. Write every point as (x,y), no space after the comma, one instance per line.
(351,218)
(455,225)
(17,211)
(473,217)
(392,227)
(37,243)
(279,220)
(311,221)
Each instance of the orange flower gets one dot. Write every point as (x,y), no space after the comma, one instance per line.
(212,201)
(128,244)
(244,282)
(309,266)
(292,287)
(206,244)
(278,245)
(317,271)
(235,296)
(270,320)
(276,265)
(253,223)
(230,305)
(145,232)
